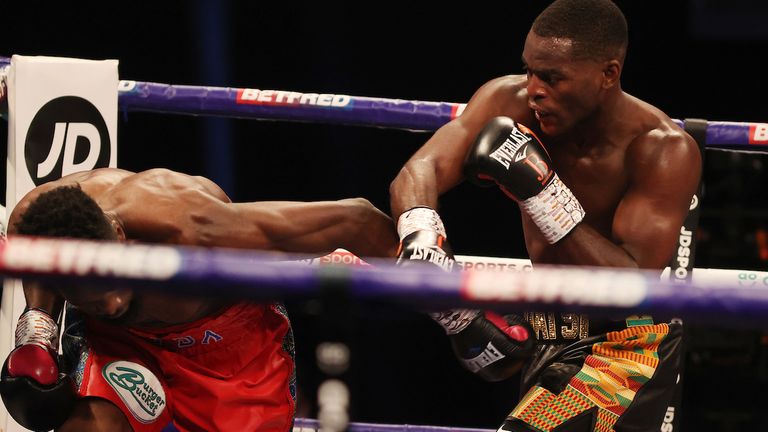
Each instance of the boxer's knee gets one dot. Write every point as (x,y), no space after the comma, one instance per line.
(95,414)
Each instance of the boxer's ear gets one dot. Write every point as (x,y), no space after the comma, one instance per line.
(120,232)
(117,227)
(611,73)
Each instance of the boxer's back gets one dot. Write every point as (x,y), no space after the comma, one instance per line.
(154,205)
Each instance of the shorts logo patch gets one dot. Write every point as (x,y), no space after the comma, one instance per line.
(139,389)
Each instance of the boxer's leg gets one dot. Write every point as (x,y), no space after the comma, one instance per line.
(96,414)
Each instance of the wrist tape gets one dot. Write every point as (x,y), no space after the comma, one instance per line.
(419,219)
(555,210)
(36,327)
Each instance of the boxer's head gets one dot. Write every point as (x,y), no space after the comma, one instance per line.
(574,54)
(69,212)
(117,305)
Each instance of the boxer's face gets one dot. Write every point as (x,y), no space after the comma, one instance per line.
(562,89)
(105,303)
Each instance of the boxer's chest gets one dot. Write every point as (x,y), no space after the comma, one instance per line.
(598,179)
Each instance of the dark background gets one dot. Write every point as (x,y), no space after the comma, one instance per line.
(693,59)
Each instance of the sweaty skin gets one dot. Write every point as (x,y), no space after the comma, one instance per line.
(631,167)
(163,206)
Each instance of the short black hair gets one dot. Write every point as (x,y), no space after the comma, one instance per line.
(65,211)
(597,28)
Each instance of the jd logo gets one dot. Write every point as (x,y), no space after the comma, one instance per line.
(68,134)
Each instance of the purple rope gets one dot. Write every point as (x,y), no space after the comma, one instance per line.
(285,105)
(345,109)
(254,275)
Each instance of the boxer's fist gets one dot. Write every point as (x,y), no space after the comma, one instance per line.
(428,247)
(492,346)
(484,343)
(33,362)
(34,357)
(509,154)
(35,406)
(423,239)
(34,392)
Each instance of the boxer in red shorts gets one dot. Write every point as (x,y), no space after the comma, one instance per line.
(243,355)
(150,361)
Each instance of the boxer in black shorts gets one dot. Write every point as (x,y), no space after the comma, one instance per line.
(611,188)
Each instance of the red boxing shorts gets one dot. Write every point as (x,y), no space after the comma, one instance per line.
(231,371)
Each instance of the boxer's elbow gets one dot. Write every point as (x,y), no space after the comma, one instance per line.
(399,183)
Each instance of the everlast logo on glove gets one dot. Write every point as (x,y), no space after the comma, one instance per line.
(506,152)
(489,355)
(431,254)
(423,238)
(67,135)
(530,180)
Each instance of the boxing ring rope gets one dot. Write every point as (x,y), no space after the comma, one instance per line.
(347,110)
(259,276)
(311,425)
(342,109)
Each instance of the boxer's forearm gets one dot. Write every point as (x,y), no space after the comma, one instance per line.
(415,185)
(298,227)
(585,246)
(46,299)
(434,169)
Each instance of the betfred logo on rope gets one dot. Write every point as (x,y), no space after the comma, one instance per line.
(289,98)
(457,110)
(90,258)
(758,133)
